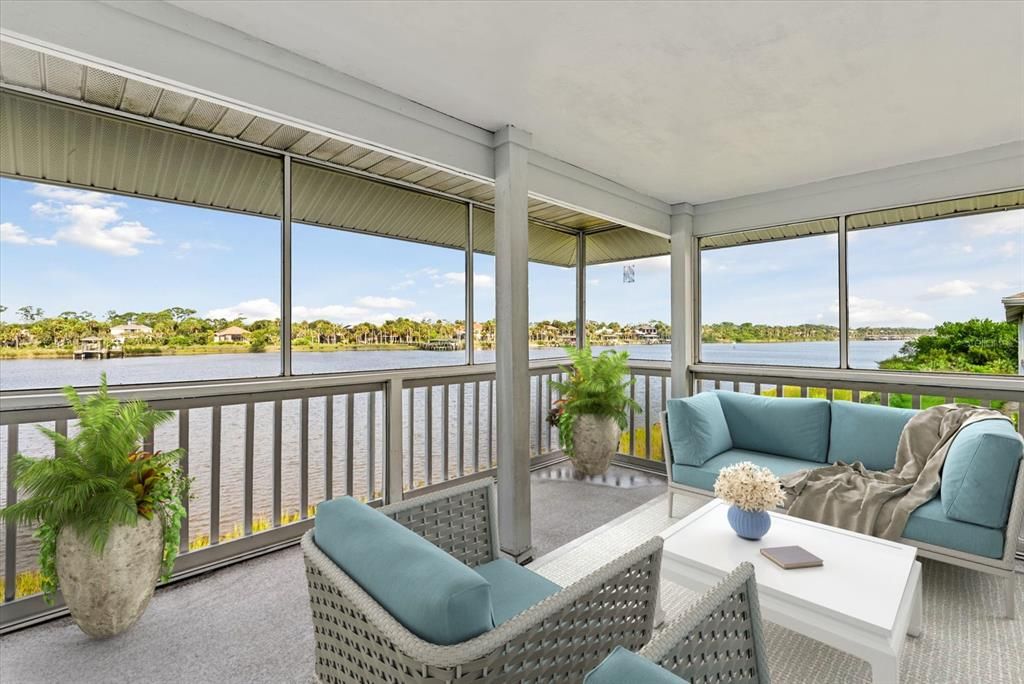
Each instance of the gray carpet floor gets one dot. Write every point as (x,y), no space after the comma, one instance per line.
(250,623)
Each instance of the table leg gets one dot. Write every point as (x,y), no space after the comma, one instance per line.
(916,611)
(885,669)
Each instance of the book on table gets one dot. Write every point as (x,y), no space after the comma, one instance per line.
(791,557)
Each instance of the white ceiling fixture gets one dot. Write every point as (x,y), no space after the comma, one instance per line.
(685,101)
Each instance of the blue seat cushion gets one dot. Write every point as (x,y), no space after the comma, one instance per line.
(697,429)
(514,588)
(704,476)
(980,472)
(866,433)
(622,666)
(930,524)
(797,428)
(431,593)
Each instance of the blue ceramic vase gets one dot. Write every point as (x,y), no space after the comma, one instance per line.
(750,525)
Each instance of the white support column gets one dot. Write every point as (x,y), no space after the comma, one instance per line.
(581,290)
(511,239)
(684,298)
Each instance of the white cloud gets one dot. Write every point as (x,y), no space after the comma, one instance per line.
(252,310)
(594,281)
(55,193)
(459,278)
(951,288)
(92,220)
(403,284)
(385,302)
(339,313)
(196,245)
(865,312)
(997,223)
(256,309)
(16,235)
(1008,249)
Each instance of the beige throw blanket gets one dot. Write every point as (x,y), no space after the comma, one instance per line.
(878,503)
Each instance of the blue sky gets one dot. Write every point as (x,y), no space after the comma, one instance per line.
(63,249)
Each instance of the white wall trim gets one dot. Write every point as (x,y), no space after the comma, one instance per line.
(980,171)
(147,40)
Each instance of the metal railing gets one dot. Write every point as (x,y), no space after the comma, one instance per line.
(641,441)
(263,453)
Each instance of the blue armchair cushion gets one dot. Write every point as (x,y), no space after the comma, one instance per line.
(697,429)
(980,472)
(431,593)
(866,433)
(514,588)
(797,428)
(622,666)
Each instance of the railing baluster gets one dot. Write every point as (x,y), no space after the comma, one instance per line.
(303,458)
(182,444)
(803,391)
(828,393)
(718,384)
(883,398)
(11,532)
(915,401)
(371,445)
(460,406)
(215,434)
(490,424)
(60,426)
(632,417)
(277,464)
(428,431)
(250,434)
(446,446)
(476,426)
(544,412)
(329,447)
(350,442)
(148,442)
(410,457)
(537,393)
(647,417)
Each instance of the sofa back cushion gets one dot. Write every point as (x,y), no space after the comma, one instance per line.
(980,473)
(697,429)
(431,593)
(866,433)
(797,428)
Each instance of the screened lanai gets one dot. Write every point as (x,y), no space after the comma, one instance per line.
(347,254)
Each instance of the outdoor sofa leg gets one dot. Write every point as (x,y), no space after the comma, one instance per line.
(1010,596)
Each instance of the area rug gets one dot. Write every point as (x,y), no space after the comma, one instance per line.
(964,638)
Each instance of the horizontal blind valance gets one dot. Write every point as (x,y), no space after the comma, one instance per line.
(49,141)
(936,210)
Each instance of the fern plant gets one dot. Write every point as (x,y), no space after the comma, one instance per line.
(596,385)
(98,479)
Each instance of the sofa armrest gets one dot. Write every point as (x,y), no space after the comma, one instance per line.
(720,634)
(562,637)
(459,520)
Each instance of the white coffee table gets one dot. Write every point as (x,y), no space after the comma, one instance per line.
(864,600)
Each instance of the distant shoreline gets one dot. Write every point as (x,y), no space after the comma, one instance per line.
(27,353)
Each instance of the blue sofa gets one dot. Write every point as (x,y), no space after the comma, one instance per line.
(974,521)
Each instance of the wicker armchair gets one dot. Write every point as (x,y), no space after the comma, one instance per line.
(719,640)
(557,640)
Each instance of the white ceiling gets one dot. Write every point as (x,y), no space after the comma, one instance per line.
(685,101)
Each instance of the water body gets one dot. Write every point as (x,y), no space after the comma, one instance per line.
(476,446)
(40,373)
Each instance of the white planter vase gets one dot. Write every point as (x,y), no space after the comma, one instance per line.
(595,442)
(107,593)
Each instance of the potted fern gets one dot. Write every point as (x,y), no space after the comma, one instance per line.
(593,407)
(109,513)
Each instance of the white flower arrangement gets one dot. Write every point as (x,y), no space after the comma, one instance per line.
(749,487)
